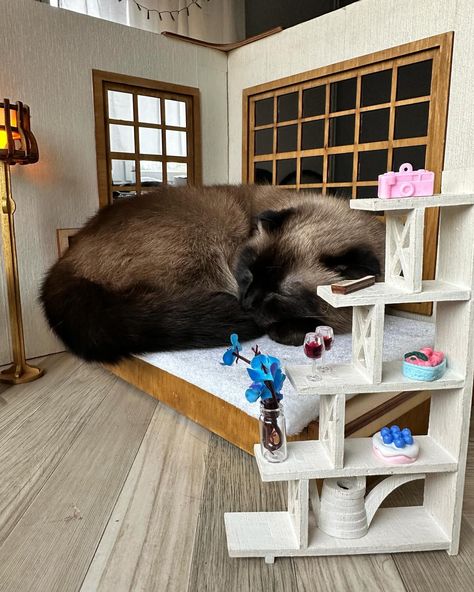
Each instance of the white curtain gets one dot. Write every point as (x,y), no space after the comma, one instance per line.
(218,21)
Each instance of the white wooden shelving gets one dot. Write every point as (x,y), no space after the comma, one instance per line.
(345,463)
(309,460)
(350,380)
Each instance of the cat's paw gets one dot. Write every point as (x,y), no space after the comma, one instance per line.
(286,333)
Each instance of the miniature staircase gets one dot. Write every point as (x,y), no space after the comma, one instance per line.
(442,459)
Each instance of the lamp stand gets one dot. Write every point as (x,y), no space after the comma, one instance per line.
(20,371)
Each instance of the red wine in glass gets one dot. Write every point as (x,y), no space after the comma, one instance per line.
(327,334)
(327,343)
(313,349)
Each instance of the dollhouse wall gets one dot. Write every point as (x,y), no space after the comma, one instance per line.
(359,29)
(47,59)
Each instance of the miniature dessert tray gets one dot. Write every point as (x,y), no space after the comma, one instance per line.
(343,520)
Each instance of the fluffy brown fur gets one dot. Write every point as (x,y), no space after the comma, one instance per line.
(185,267)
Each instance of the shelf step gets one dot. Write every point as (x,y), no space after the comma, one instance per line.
(309,460)
(346,379)
(408,203)
(393,530)
(432,291)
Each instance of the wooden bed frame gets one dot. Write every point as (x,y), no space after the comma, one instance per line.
(365,414)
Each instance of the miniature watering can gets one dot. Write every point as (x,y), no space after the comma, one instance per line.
(343,510)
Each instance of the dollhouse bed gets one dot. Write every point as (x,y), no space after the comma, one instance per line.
(195,384)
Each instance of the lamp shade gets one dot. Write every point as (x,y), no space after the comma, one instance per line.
(17,143)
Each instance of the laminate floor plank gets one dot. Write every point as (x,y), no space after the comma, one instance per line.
(19,402)
(52,546)
(148,543)
(32,449)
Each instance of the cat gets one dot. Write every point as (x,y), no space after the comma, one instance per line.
(184,267)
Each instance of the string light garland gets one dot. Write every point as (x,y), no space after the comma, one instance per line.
(173,14)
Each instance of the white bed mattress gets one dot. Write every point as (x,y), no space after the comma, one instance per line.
(202,367)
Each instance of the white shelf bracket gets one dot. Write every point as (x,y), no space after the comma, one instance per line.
(298,509)
(331,427)
(367,340)
(404,249)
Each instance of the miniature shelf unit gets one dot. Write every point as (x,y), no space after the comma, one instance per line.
(342,520)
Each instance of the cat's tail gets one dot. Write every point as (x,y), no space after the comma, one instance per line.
(102,325)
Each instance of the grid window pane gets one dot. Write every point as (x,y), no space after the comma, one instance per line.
(369,191)
(286,171)
(264,141)
(343,95)
(175,113)
(263,173)
(372,164)
(176,143)
(120,105)
(312,134)
(150,140)
(287,106)
(341,130)
(374,125)
(121,138)
(340,167)
(264,111)
(312,169)
(411,121)
(286,138)
(376,88)
(414,80)
(177,173)
(149,110)
(123,172)
(151,173)
(415,155)
(314,101)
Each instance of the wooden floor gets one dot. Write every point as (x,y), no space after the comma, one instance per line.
(104,489)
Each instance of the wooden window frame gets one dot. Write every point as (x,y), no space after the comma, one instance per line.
(439,48)
(102,82)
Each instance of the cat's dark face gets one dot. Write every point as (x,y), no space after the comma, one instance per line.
(296,250)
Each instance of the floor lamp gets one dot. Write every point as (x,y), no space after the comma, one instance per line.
(17,146)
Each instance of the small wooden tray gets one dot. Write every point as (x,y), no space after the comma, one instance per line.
(348,286)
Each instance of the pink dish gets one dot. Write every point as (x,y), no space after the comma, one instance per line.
(394,460)
(393,455)
(406,183)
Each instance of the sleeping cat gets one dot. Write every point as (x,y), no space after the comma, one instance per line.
(184,267)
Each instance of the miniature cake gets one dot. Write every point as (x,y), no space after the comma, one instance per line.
(395,446)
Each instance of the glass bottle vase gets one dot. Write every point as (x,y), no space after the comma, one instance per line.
(272,433)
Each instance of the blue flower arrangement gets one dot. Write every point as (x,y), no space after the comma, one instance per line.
(265,372)
(395,435)
(267,382)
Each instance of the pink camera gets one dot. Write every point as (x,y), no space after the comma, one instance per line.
(406,183)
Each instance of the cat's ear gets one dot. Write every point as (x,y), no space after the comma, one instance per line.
(271,220)
(354,263)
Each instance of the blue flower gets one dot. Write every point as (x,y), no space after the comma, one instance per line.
(256,391)
(264,369)
(229,358)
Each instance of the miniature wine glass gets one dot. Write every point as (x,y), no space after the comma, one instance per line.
(313,349)
(327,333)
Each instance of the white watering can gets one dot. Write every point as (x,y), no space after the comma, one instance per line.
(343,510)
